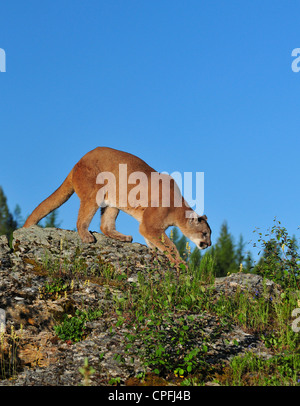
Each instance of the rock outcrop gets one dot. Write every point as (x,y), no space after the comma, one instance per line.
(48,275)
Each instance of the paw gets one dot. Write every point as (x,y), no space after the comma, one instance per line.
(88,238)
(128,238)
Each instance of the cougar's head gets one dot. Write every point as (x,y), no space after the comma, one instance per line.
(198,231)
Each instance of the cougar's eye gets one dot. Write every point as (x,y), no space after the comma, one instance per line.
(204,234)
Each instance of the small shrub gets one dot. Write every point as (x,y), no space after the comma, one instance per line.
(73,327)
(280,260)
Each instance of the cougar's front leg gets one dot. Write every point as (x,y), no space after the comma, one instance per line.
(159,239)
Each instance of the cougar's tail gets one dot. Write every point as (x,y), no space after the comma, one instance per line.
(60,196)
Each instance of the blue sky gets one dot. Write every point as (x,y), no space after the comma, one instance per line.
(199,86)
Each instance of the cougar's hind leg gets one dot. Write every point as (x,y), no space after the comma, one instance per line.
(108,224)
(86,212)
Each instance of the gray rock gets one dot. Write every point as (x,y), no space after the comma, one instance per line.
(250,283)
(94,276)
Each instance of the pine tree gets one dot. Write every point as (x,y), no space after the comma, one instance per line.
(7,222)
(239,254)
(224,253)
(18,217)
(179,240)
(195,258)
(51,220)
(244,260)
(248,264)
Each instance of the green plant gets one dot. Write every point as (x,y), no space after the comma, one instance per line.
(165,354)
(57,286)
(251,370)
(280,260)
(9,348)
(168,344)
(207,268)
(115,381)
(86,371)
(73,327)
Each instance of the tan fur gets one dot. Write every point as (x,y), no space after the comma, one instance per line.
(153,220)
